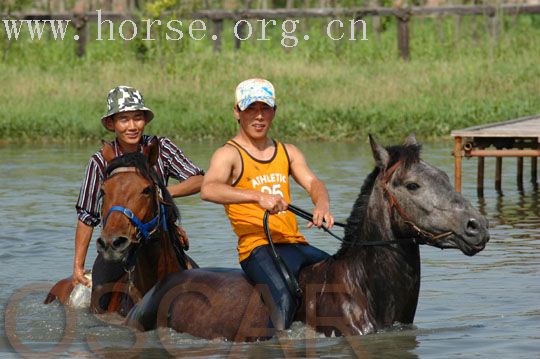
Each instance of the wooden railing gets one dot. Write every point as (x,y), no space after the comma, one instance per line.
(402,16)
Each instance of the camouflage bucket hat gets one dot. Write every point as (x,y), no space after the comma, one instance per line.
(123,99)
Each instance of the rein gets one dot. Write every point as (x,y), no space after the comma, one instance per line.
(292,283)
(394,204)
(290,279)
(309,217)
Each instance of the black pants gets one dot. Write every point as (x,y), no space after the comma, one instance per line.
(261,269)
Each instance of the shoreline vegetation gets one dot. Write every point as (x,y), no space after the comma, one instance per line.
(458,76)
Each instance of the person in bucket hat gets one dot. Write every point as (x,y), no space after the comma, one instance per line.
(250,174)
(127,116)
(124,99)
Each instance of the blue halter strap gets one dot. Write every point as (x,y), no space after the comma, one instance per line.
(145,229)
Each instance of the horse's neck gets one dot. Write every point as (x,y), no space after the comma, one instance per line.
(389,260)
(386,276)
(155,261)
(377,224)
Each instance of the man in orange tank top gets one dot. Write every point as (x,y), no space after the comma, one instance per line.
(250,174)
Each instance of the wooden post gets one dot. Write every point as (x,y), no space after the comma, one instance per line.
(480,177)
(218,29)
(108,5)
(457,28)
(440,28)
(80,25)
(375,20)
(403,34)
(534,161)
(457,163)
(520,173)
(237,41)
(498,172)
(493,25)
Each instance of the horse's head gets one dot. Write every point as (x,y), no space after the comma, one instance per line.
(130,202)
(421,202)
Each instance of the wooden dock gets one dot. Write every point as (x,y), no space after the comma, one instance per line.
(516,138)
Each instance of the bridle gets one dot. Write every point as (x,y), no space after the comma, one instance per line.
(393,204)
(144,230)
(386,176)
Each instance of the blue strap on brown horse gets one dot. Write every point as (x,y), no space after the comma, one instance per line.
(145,229)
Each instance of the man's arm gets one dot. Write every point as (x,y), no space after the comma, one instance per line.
(316,189)
(189,186)
(181,168)
(83,235)
(88,214)
(217,184)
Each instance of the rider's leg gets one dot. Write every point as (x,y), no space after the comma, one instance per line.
(260,269)
(298,255)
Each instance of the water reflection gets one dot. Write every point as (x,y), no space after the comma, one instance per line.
(484,306)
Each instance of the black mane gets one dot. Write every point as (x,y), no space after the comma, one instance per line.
(408,155)
(132,159)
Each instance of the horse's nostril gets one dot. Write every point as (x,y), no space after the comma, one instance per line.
(100,243)
(119,242)
(472,227)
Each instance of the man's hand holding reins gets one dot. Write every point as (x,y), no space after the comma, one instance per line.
(322,215)
(272,202)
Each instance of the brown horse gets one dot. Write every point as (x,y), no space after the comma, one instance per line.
(139,242)
(372,282)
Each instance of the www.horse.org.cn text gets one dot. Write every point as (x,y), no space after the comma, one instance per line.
(177,30)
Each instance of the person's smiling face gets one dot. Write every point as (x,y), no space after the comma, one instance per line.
(256,119)
(128,126)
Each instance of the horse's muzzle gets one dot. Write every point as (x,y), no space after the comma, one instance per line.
(115,249)
(475,236)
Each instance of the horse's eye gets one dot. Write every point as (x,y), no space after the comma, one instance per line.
(147,190)
(412,186)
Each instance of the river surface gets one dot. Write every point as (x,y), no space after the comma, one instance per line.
(486,306)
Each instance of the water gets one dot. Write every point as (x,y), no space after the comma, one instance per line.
(486,306)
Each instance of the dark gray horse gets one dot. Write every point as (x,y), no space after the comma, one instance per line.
(372,282)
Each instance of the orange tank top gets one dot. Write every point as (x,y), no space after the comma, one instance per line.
(246,219)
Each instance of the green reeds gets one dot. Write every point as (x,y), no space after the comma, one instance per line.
(458,76)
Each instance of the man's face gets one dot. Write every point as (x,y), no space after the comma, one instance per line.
(255,120)
(128,126)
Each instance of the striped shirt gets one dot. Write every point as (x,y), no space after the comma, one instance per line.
(171,163)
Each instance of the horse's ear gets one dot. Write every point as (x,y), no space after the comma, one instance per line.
(411,140)
(152,152)
(108,151)
(380,154)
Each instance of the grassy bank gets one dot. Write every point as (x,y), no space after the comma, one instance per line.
(458,77)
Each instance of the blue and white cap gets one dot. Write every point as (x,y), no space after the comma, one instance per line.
(255,90)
